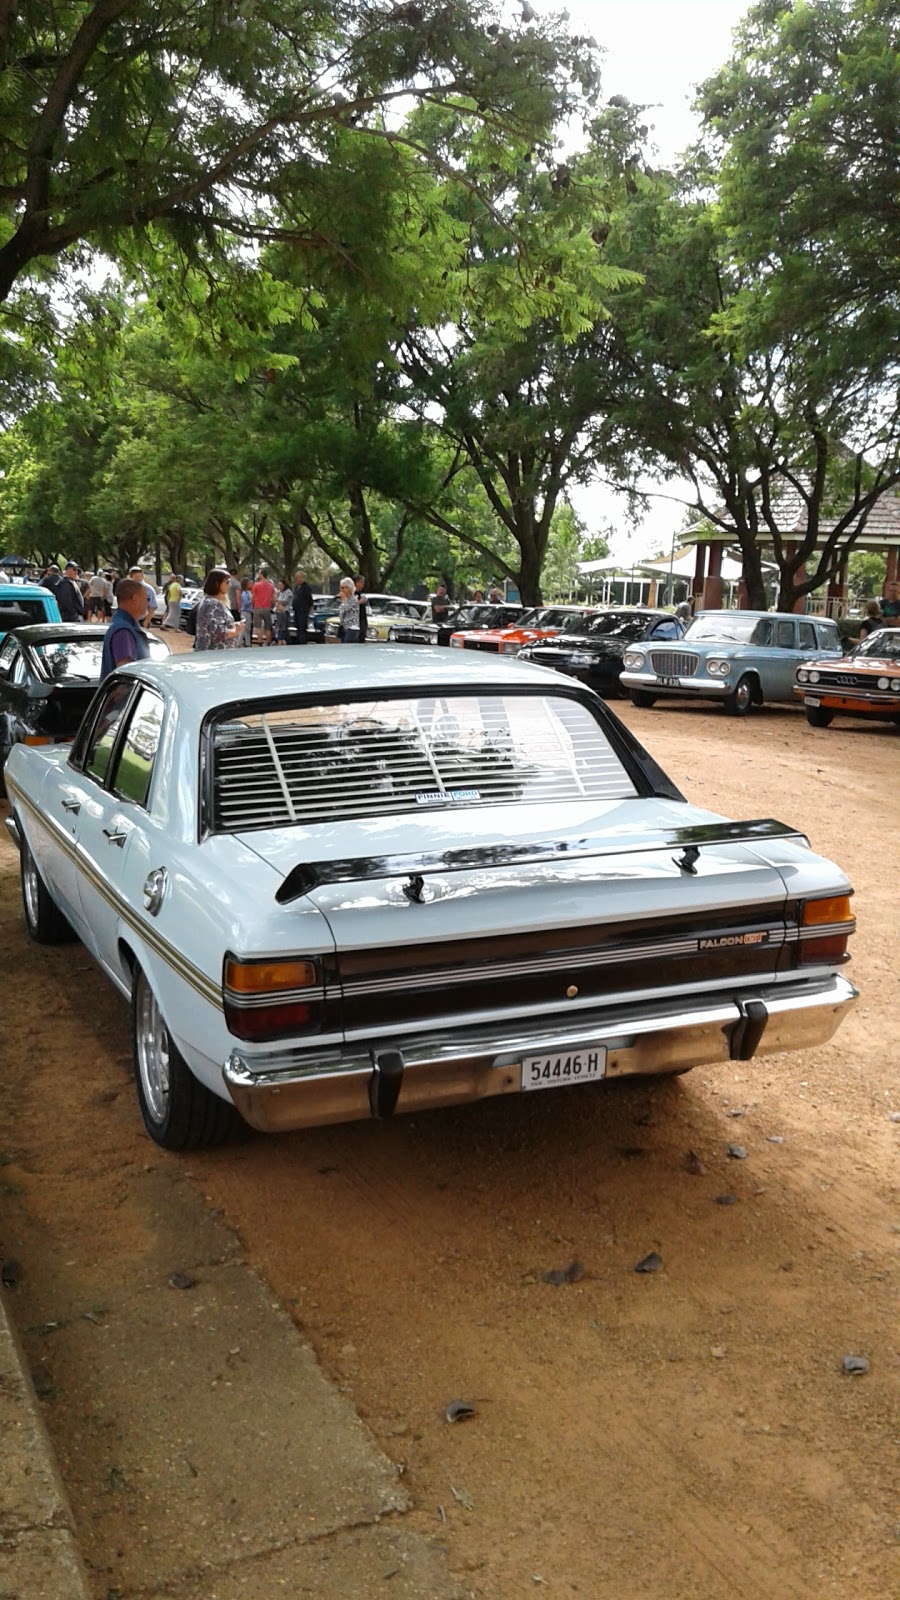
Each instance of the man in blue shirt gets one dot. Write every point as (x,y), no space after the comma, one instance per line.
(125,638)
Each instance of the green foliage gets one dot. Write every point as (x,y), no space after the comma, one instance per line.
(866,574)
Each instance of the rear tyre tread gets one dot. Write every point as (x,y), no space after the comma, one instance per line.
(643,699)
(45,923)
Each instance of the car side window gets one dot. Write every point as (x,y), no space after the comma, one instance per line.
(784,637)
(829,638)
(8,654)
(807,635)
(762,633)
(667,630)
(18,672)
(137,752)
(105,730)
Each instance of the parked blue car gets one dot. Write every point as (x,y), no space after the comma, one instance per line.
(24,603)
(740,658)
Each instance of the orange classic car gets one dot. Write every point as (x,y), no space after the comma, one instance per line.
(866,683)
(541,623)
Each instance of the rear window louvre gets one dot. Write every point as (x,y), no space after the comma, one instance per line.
(328,763)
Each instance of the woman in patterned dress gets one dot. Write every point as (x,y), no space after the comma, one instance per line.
(216,627)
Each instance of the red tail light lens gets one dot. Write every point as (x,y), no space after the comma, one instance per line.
(272,999)
(829,923)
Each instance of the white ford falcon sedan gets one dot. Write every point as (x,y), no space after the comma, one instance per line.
(350,883)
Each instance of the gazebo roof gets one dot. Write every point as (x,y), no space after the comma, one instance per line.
(882,527)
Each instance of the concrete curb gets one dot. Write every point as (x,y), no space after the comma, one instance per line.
(38,1551)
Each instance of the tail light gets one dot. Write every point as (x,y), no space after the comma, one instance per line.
(38,738)
(825,927)
(267,999)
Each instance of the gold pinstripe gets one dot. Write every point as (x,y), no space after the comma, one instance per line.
(185,969)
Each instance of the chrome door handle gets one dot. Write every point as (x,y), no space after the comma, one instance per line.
(71,805)
(114,836)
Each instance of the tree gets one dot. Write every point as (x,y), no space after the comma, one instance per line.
(568,545)
(806,116)
(783,440)
(129,128)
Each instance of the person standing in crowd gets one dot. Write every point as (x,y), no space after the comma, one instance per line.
(51,577)
(890,606)
(246,612)
(359,585)
(69,597)
(349,612)
(871,622)
(216,628)
(136,574)
(280,622)
(303,604)
(125,639)
(172,618)
(478,597)
(683,612)
(495,598)
(96,600)
(263,601)
(440,604)
(234,595)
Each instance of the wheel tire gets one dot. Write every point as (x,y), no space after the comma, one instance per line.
(43,918)
(179,1112)
(739,702)
(818,717)
(643,699)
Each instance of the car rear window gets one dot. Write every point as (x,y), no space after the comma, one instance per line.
(19,613)
(311,763)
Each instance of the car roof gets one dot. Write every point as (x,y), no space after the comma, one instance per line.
(202,682)
(776,616)
(24,591)
(46,632)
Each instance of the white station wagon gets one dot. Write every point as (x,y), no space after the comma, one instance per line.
(363,882)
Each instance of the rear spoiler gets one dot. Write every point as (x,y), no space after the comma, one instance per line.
(361,869)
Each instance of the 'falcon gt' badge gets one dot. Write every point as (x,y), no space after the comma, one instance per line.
(722,941)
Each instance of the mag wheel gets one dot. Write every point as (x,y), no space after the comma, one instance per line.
(179,1112)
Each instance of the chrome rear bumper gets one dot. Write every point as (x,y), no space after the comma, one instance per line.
(275,1092)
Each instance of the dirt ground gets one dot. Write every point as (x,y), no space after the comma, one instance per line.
(686,1435)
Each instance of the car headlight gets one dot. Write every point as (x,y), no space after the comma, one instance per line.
(580,658)
(457,643)
(633,660)
(392,636)
(802,675)
(510,647)
(814,677)
(718,669)
(895,683)
(883,683)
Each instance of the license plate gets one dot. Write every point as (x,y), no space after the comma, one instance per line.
(568,1066)
(811,700)
(669,683)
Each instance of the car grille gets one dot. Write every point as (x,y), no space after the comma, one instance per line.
(846,680)
(481,644)
(674,663)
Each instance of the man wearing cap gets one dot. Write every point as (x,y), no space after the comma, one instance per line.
(69,597)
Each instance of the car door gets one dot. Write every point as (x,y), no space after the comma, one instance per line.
(112,833)
(778,662)
(12,694)
(102,833)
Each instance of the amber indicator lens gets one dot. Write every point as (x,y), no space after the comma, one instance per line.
(264,977)
(817,913)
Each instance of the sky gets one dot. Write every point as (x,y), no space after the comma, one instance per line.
(656,51)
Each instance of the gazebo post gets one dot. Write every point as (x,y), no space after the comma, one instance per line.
(699,574)
(836,601)
(712,588)
(890,569)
